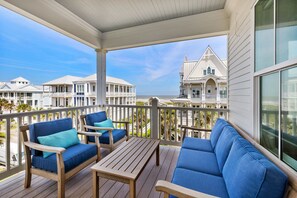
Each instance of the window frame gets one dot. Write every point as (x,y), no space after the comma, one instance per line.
(276,68)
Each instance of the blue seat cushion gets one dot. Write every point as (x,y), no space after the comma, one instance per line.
(217,130)
(95,117)
(47,128)
(247,173)
(201,161)
(224,143)
(197,144)
(73,156)
(117,134)
(205,183)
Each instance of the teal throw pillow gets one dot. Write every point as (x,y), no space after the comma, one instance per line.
(63,139)
(105,123)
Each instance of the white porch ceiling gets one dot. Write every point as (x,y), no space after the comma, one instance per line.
(109,15)
(117,24)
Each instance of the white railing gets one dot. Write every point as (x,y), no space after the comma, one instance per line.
(154,121)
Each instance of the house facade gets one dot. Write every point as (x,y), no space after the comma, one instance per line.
(21,91)
(203,83)
(118,91)
(60,91)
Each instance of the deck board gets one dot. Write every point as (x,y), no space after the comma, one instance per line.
(80,185)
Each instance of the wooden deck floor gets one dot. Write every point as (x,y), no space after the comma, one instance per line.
(80,185)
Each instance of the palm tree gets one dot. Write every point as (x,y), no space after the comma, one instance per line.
(23,108)
(3,103)
(168,119)
(9,107)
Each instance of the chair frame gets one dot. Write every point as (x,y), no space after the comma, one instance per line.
(111,146)
(61,176)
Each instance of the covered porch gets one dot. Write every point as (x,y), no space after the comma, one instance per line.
(107,26)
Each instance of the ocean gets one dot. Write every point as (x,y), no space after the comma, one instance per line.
(161,97)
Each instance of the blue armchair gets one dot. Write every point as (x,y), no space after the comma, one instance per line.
(110,139)
(65,162)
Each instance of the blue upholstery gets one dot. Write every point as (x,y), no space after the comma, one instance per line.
(95,117)
(104,138)
(73,156)
(217,130)
(197,144)
(235,168)
(250,174)
(47,128)
(201,161)
(117,134)
(202,182)
(224,145)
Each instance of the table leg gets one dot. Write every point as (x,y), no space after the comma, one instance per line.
(95,185)
(158,155)
(132,189)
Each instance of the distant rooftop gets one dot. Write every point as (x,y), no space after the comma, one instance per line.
(65,80)
(109,79)
(19,79)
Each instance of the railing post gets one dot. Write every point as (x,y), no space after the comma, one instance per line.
(154,119)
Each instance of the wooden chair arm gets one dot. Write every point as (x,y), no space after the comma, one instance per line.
(89,133)
(40,147)
(194,128)
(179,191)
(98,128)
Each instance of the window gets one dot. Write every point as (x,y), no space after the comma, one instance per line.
(208,70)
(94,88)
(204,72)
(276,42)
(213,71)
(106,88)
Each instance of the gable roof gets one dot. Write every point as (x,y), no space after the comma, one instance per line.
(23,88)
(189,69)
(20,79)
(65,80)
(109,79)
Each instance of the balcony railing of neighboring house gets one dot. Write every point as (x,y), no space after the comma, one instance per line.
(152,121)
(61,94)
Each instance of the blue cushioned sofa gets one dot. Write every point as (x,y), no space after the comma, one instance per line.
(65,162)
(227,165)
(110,139)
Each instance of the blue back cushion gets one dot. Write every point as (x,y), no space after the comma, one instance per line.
(95,117)
(217,130)
(62,139)
(224,144)
(248,173)
(48,128)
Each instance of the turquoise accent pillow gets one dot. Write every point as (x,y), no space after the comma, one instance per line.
(63,139)
(105,123)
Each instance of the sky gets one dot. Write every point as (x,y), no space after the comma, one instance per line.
(40,54)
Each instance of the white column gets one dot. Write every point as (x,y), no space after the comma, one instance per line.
(101,76)
(189,91)
(218,93)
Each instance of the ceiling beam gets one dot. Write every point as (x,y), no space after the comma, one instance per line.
(55,16)
(208,24)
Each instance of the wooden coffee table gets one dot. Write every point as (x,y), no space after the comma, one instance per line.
(126,163)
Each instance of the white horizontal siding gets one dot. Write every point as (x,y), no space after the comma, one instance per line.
(240,67)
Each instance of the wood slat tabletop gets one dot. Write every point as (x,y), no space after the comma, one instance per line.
(128,160)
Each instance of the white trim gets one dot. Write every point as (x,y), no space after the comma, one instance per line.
(280,66)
